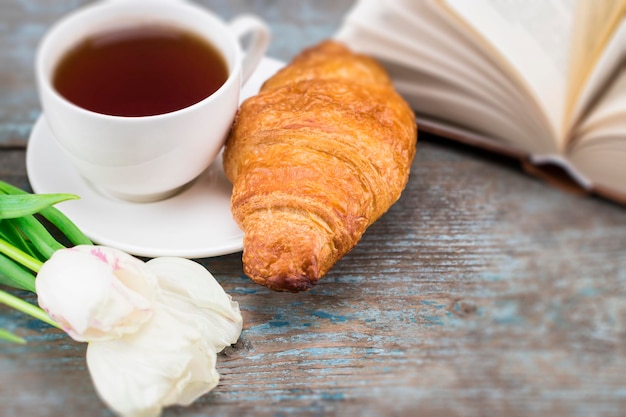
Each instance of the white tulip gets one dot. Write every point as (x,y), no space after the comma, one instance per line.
(96,292)
(140,363)
(166,363)
(196,297)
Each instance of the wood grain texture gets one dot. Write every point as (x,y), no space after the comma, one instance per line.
(482,292)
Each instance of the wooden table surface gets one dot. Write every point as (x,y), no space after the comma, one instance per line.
(482,292)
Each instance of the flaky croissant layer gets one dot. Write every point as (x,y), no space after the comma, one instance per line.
(316,157)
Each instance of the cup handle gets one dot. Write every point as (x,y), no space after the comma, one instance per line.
(259,39)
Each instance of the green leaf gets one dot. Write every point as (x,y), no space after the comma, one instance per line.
(38,235)
(14,275)
(11,234)
(17,205)
(54,216)
(7,188)
(10,337)
(20,257)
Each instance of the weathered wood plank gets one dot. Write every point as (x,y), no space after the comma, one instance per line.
(482,292)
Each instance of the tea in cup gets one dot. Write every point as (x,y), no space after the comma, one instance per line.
(141,94)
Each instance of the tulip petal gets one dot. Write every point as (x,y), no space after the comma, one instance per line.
(198,298)
(95,292)
(168,362)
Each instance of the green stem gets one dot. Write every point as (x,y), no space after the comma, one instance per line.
(10,337)
(19,256)
(27,308)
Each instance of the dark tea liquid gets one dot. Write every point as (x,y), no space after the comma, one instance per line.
(140,71)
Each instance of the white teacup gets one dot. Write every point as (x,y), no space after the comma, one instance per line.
(147,158)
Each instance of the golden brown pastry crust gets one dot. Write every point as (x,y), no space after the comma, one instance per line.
(316,157)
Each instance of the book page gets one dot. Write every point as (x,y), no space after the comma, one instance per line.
(533,40)
(443,73)
(602,161)
(599,146)
(408,33)
(433,100)
(608,110)
(593,92)
(595,23)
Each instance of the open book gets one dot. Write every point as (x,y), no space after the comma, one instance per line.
(544,81)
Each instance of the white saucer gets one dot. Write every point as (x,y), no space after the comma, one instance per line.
(196,223)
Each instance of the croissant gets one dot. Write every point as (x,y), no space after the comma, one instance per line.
(315,158)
